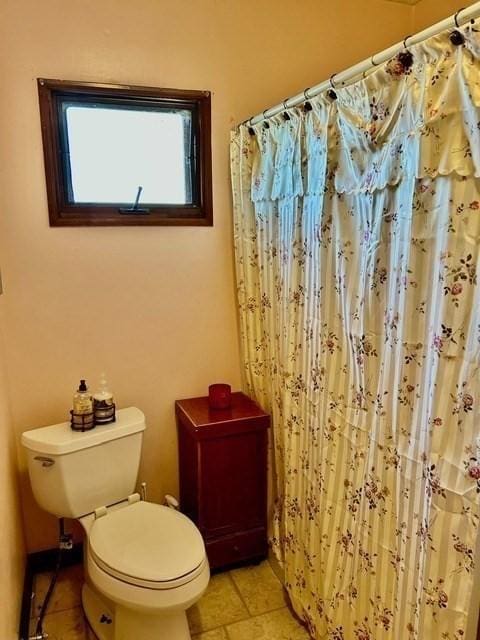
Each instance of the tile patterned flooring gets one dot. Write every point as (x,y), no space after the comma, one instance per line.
(242,604)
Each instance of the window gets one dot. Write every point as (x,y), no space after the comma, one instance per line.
(121,155)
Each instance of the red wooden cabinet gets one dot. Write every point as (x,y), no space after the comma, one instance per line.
(223,476)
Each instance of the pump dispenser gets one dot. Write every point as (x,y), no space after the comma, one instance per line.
(103,404)
(82,400)
(82,418)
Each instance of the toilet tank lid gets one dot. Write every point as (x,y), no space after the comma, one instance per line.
(59,439)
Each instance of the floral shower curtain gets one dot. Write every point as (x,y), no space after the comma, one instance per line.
(357,228)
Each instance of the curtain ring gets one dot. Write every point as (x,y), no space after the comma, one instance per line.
(405,42)
(285,103)
(307,106)
(331,80)
(373,63)
(455,17)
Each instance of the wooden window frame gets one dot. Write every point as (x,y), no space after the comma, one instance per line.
(63,213)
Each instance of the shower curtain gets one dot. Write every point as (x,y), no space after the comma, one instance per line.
(357,227)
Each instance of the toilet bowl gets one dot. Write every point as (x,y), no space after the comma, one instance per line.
(145,564)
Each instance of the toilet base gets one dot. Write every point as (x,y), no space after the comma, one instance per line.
(127,624)
(99,615)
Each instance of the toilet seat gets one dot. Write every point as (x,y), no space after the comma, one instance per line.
(147,545)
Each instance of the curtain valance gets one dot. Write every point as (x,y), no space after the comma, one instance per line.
(379,130)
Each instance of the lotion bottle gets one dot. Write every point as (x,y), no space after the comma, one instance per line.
(103,404)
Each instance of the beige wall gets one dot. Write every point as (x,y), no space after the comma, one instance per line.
(153,307)
(11,536)
(427,12)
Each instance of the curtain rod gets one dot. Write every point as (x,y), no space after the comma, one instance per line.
(341,79)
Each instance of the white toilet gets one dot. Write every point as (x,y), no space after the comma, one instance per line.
(145,564)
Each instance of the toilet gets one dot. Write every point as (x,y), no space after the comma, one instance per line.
(145,564)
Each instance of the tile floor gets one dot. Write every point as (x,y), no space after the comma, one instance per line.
(242,604)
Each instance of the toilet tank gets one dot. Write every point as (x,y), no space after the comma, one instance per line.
(72,473)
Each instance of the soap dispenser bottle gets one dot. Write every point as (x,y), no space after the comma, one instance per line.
(103,404)
(82,412)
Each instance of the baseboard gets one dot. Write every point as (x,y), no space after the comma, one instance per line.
(37,563)
(24,627)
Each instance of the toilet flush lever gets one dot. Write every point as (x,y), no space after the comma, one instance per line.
(46,462)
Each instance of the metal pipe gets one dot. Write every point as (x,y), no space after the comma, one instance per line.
(64,543)
(343,78)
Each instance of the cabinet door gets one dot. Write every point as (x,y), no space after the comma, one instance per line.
(233,485)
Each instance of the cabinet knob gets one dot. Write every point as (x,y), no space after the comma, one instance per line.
(236,548)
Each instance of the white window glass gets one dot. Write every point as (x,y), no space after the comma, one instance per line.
(114,151)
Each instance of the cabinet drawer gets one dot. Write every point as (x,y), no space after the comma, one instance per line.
(237,548)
